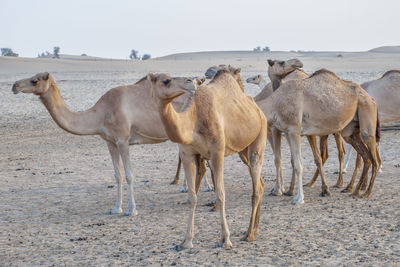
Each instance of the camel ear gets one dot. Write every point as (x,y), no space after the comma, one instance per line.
(45,76)
(151,77)
(203,79)
(270,62)
(238,70)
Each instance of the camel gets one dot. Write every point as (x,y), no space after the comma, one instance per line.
(386,92)
(257,80)
(219,120)
(279,72)
(123,116)
(320,105)
(211,71)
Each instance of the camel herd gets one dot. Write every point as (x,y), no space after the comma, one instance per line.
(217,119)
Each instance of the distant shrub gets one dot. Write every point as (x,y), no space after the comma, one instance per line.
(146,56)
(134,54)
(83,55)
(7,52)
(56,50)
(266,49)
(257,49)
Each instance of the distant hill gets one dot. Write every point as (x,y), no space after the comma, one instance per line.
(386,49)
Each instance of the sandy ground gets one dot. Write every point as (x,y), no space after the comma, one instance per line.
(57,188)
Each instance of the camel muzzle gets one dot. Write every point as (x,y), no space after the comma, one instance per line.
(15,89)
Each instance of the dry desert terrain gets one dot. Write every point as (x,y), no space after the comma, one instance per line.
(56,188)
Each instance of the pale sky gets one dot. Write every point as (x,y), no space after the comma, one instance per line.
(112,28)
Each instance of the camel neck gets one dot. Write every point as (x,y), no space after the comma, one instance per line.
(80,123)
(262,83)
(178,126)
(277,79)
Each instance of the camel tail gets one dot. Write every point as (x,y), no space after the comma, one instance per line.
(378,130)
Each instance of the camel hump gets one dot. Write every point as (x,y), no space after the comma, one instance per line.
(391,72)
(322,72)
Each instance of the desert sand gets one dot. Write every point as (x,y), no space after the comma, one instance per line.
(57,188)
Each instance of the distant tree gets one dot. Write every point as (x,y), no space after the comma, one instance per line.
(134,54)
(257,49)
(146,56)
(8,52)
(56,50)
(83,55)
(266,49)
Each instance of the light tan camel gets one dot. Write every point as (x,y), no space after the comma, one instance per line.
(280,72)
(220,120)
(386,92)
(321,105)
(258,80)
(123,116)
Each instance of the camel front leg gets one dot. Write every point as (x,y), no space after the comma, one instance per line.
(341,152)
(123,148)
(276,147)
(189,166)
(318,161)
(112,148)
(295,149)
(217,168)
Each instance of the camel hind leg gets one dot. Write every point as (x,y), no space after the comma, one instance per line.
(318,161)
(178,170)
(323,143)
(341,153)
(376,163)
(253,156)
(349,188)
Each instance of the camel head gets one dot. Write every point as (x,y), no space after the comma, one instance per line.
(255,79)
(280,68)
(37,84)
(234,72)
(198,81)
(168,88)
(211,71)
(277,70)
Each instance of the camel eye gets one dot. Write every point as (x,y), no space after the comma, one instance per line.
(34,82)
(167,81)
(282,63)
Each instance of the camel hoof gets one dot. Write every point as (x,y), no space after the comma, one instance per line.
(183,190)
(297,201)
(131,212)
(208,189)
(275,192)
(347,190)
(289,193)
(310,184)
(338,186)
(184,245)
(226,245)
(116,211)
(326,193)
(356,194)
(175,182)
(365,195)
(248,238)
